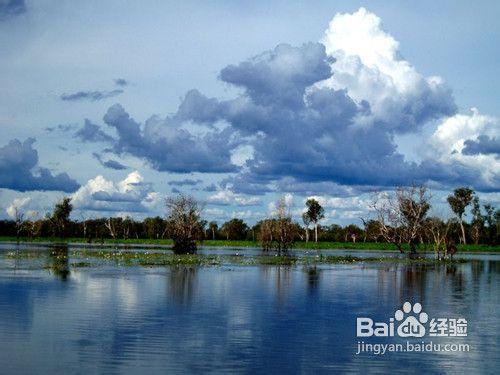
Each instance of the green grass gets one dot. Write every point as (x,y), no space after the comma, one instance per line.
(380,246)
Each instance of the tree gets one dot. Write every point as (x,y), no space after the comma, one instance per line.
(19,221)
(278,232)
(155,227)
(85,228)
(213,228)
(60,217)
(127,227)
(437,230)
(113,225)
(492,219)
(371,230)
(458,202)
(307,222)
(235,229)
(477,220)
(352,232)
(314,213)
(496,227)
(401,215)
(184,223)
(34,225)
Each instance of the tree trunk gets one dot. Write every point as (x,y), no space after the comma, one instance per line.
(399,247)
(463,231)
(307,235)
(316,232)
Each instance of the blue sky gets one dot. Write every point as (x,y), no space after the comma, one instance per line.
(120,104)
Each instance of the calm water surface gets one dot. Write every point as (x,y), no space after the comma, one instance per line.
(236,319)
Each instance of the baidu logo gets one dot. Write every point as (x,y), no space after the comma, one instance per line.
(411,321)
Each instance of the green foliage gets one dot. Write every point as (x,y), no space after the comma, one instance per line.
(459,200)
(315,212)
(60,217)
(235,229)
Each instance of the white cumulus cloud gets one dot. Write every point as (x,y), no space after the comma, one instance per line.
(228,197)
(130,195)
(447,143)
(368,64)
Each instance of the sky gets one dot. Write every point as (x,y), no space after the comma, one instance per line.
(120,104)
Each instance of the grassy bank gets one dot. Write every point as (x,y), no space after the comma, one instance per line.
(377,246)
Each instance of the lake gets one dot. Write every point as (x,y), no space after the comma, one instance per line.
(112,319)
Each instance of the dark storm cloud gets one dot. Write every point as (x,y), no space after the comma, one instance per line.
(19,170)
(308,135)
(111,164)
(92,133)
(482,145)
(281,75)
(301,132)
(11,8)
(92,96)
(178,150)
(185,182)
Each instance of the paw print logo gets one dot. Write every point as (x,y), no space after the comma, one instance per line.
(413,324)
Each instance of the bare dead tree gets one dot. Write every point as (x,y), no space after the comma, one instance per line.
(401,215)
(266,234)
(18,222)
(278,233)
(365,228)
(110,225)
(184,223)
(85,228)
(285,227)
(34,225)
(438,233)
(126,227)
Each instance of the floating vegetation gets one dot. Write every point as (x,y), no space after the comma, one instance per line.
(24,254)
(84,258)
(81,264)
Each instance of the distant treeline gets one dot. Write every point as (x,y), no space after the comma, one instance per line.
(401,218)
(235,229)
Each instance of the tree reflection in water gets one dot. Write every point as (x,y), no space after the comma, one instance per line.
(59,261)
(282,278)
(182,284)
(312,278)
(421,282)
